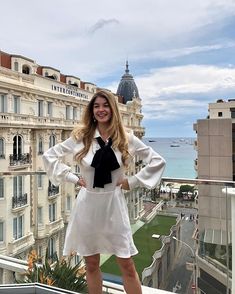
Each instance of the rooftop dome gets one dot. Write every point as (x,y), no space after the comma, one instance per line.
(127,88)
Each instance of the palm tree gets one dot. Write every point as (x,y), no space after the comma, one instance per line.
(60,273)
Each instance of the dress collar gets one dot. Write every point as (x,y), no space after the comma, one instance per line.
(97,134)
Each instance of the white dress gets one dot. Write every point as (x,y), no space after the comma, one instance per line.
(99,221)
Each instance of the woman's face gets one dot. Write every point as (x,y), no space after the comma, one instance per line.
(101,110)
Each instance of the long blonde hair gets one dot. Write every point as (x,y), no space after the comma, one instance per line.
(116,131)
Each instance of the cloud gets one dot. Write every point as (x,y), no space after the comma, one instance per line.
(100,24)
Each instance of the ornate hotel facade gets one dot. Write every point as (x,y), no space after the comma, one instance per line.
(39,107)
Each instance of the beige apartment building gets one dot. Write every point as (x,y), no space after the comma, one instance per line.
(216,149)
(39,106)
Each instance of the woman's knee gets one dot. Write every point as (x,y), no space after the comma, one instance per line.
(92,263)
(127,267)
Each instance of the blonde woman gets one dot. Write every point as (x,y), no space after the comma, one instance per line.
(99,222)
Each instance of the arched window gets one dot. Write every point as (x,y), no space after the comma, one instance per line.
(16,66)
(46,74)
(26,69)
(52,141)
(55,77)
(40,146)
(2,149)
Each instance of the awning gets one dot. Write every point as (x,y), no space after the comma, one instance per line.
(217,237)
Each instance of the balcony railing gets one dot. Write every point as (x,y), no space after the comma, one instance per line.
(213,223)
(19,200)
(20,159)
(53,190)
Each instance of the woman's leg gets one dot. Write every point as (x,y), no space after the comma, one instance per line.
(130,277)
(93,274)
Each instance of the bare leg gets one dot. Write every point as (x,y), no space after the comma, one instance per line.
(130,277)
(93,274)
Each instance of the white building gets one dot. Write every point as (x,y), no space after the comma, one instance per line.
(39,107)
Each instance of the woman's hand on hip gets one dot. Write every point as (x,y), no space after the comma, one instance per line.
(124,184)
(81,182)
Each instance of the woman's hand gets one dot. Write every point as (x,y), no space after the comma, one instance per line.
(81,182)
(124,184)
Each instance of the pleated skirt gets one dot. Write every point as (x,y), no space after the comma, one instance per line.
(99,223)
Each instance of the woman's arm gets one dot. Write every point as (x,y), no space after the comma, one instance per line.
(56,170)
(150,175)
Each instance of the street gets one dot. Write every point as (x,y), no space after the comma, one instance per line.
(180,279)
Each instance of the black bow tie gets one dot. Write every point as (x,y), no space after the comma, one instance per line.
(104,161)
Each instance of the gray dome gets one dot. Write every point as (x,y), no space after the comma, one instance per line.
(127,88)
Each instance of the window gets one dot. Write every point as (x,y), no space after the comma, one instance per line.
(17,147)
(40,183)
(68,203)
(40,107)
(159,274)
(26,69)
(16,66)
(220,114)
(49,109)
(168,257)
(3,103)
(40,146)
(2,153)
(77,169)
(1,231)
(40,254)
(232,112)
(18,186)
(52,212)
(68,112)
(16,102)
(18,227)
(52,141)
(1,187)
(40,216)
(51,248)
(74,113)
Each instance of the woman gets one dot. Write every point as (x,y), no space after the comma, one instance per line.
(99,221)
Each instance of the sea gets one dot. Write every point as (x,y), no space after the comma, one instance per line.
(179,154)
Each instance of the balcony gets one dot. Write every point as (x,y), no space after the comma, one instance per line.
(8,119)
(19,201)
(20,244)
(53,190)
(210,237)
(54,226)
(19,160)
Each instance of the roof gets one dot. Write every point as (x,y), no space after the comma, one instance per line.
(127,87)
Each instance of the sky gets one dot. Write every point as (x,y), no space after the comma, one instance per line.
(180,53)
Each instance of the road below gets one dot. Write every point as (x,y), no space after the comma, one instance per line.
(180,279)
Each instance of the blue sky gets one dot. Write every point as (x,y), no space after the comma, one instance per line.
(181,53)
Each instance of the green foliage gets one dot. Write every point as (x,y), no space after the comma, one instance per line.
(60,273)
(185,189)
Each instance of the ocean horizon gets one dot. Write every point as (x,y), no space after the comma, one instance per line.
(179,154)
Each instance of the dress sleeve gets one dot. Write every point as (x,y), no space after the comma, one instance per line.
(56,170)
(150,175)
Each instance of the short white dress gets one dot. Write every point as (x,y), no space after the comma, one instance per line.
(99,221)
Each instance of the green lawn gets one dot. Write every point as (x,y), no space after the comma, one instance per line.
(145,244)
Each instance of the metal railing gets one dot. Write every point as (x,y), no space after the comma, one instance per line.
(19,200)
(19,159)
